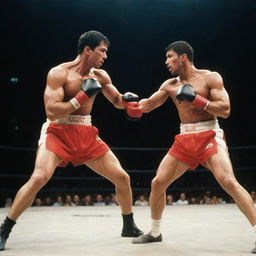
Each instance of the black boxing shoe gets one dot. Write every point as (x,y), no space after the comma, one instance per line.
(5,230)
(129,227)
(2,241)
(131,231)
(148,238)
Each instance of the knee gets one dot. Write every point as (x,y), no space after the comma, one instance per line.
(157,185)
(230,184)
(39,180)
(122,179)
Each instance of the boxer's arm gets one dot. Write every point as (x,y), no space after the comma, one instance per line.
(219,103)
(108,89)
(54,95)
(127,101)
(155,100)
(113,95)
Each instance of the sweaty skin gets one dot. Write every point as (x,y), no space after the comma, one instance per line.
(210,85)
(64,82)
(206,83)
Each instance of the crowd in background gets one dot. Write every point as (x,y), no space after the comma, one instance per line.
(140,200)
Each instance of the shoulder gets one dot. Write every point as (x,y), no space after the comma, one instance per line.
(101,75)
(168,83)
(213,79)
(57,76)
(211,74)
(58,72)
(99,72)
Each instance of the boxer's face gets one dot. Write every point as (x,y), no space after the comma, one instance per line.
(173,62)
(98,55)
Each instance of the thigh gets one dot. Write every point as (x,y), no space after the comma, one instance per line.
(107,166)
(220,165)
(170,169)
(46,161)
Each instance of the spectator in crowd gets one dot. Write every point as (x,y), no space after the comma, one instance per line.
(205,200)
(113,200)
(221,201)
(107,199)
(193,200)
(48,201)
(99,200)
(8,202)
(214,200)
(87,200)
(68,201)
(182,199)
(76,200)
(38,202)
(141,201)
(59,201)
(169,199)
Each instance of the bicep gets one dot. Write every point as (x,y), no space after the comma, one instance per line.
(219,104)
(52,95)
(219,94)
(217,89)
(54,91)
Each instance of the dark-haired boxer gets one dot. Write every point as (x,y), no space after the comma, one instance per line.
(68,134)
(200,97)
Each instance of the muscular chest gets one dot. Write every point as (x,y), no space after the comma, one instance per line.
(199,85)
(73,85)
(71,89)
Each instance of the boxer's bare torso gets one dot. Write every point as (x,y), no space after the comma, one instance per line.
(187,112)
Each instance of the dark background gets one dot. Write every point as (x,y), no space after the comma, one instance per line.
(37,35)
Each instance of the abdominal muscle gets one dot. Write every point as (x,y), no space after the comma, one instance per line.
(190,114)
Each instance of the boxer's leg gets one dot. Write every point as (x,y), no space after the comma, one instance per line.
(221,167)
(168,171)
(109,167)
(45,165)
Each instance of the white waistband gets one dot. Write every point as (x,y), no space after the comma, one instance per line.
(199,126)
(75,119)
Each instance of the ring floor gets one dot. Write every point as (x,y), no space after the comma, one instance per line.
(194,230)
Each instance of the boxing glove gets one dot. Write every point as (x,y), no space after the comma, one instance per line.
(133,109)
(89,87)
(187,93)
(129,97)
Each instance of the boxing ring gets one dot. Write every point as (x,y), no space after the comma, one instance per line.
(195,230)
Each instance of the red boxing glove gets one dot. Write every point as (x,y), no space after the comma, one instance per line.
(200,102)
(133,111)
(187,93)
(89,88)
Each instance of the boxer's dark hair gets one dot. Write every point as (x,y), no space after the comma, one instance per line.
(92,39)
(182,47)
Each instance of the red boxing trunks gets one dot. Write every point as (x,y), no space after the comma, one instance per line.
(73,139)
(197,142)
